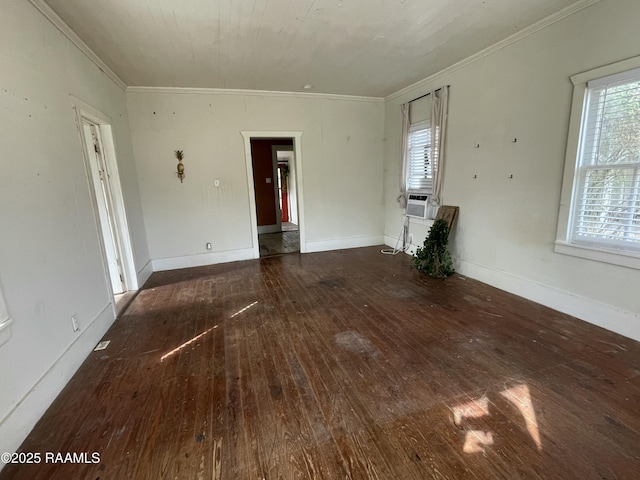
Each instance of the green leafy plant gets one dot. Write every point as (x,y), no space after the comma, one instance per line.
(433,258)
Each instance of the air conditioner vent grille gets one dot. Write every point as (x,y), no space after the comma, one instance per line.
(417,205)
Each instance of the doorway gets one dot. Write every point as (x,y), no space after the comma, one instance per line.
(284,157)
(274,177)
(270,165)
(104,184)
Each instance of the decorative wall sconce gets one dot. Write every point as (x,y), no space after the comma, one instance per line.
(179,155)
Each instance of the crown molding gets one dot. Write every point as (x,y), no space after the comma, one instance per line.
(516,37)
(233,91)
(53,17)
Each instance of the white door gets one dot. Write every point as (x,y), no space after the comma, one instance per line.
(104,200)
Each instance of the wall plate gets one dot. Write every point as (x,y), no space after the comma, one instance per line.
(102,345)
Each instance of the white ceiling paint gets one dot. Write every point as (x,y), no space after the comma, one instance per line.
(346,47)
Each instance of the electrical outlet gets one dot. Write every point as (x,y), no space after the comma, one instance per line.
(411,238)
(208,246)
(74,323)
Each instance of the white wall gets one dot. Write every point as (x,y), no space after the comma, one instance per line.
(507,227)
(50,261)
(341,161)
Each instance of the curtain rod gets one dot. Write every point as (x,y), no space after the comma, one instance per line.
(427,94)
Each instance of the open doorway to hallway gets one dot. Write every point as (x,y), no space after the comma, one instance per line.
(273,161)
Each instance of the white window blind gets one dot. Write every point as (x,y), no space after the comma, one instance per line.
(419,166)
(606,201)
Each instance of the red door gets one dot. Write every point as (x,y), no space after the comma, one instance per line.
(283,170)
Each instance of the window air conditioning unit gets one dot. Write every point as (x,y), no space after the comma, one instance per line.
(417,205)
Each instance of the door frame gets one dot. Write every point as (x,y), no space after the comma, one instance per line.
(274,158)
(85,112)
(295,169)
(101,178)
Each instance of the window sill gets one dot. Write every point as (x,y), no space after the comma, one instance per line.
(615,257)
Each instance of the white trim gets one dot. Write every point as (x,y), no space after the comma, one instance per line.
(86,111)
(295,167)
(276,184)
(89,112)
(268,228)
(606,71)
(563,231)
(343,243)
(525,32)
(53,17)
(626,76)
(234,91)
(599,254)
(600,314)
(201,259)
(17,424)
(144,273)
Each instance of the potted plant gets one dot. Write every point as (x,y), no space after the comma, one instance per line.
(433,258)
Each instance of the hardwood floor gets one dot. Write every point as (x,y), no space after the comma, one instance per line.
(344,365)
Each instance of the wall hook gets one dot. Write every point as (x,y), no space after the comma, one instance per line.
(475,176)
(515,140)
(511,176)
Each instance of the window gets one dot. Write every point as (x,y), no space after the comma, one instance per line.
(607,201)
(419,166)
(604,207)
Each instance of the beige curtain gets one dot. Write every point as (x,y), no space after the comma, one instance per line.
(439,114)
(402,198)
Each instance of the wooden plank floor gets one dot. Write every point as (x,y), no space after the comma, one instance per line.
(344,365)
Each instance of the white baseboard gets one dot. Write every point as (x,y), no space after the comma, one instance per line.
(15,427)
(199,260)
(598,313)
(144,274)
(342,243)
(269,229)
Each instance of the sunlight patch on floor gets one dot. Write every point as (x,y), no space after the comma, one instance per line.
(199,336)
(520,397)
(476,440)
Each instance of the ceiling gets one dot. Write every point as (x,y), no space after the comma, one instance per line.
(351,47)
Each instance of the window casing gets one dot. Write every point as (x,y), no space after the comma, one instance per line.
(600,209)
(419,169)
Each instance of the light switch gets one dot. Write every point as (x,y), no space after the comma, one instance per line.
(268,180)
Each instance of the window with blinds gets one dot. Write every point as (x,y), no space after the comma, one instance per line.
(606,200)
(419,166)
